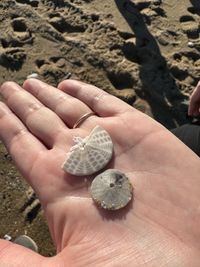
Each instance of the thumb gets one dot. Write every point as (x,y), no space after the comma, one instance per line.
(194,104)
(13,255)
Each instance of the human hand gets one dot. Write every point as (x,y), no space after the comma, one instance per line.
(159,228)
(194,105)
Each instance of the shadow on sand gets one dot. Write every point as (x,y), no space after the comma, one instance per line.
(159,88)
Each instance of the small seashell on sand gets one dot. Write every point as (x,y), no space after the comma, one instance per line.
(191,44)
(7,237)
(27,242)
(90,154)
(67,76)
(32,75)
(111,190)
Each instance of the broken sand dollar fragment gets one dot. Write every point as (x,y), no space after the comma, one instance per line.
(91,154)
(111,189)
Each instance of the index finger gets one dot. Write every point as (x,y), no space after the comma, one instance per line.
(99,101)
(21,144)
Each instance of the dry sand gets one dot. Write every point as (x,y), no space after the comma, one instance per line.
(144,52)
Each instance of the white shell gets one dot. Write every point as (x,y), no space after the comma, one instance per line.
(191,44)
(32,75)
(7,237)
(111,190)
(90,154)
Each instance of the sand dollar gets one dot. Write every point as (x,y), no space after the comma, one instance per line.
(90,154)
(111,189)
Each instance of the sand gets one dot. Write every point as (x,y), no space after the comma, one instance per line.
(145,52)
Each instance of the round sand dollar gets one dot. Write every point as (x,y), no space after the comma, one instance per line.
(111,190)
(90,154)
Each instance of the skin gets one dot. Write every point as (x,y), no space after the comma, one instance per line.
(194,106)
(161,225)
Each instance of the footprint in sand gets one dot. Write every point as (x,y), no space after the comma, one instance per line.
(187,56)
(53,69)
(123,82)
(54,3)
(195,8)
(180,70)
(63,24)
(12,55)
(12,58)
(21,34)
(17,35)
(190,26)
(33,3)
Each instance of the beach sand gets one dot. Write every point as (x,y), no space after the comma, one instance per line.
(145,52)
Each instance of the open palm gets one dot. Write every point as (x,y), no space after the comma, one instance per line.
(159,228)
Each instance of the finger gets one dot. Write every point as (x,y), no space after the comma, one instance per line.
(190,109)
(68,108)
(98,100)
(193,109)
(40,120)
(20,143)
(16,255)
(194,104)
